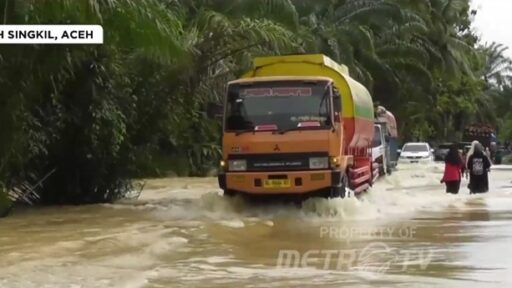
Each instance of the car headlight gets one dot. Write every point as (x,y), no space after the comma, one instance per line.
(237,165)
(318,163)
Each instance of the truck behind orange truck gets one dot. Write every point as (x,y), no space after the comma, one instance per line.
(297,125)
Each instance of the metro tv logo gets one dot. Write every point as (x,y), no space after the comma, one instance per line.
(51,34)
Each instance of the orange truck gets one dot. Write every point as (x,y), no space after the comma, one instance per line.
(296,125)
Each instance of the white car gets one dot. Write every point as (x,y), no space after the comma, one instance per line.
(416,152)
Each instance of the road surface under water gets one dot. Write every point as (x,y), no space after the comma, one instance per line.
(182,233)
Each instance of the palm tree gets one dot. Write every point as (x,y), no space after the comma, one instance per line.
(457,54)
(498,67)
(495,100)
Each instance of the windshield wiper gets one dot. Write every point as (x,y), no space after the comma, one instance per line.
(288,130)
(239,132)
(258,128)
(301,128)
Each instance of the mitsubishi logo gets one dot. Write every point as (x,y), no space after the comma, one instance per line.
(276,148)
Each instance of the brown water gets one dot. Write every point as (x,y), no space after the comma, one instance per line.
(181,233)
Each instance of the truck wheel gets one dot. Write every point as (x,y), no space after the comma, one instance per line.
(389,170)
(229,193)
(382,172)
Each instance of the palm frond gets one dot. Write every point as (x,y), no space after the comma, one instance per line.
(413,28)
(147,26)
(404,50)
(367,11)
(278,11)
(266,31)
(452,7)
(210,21)
(412,70)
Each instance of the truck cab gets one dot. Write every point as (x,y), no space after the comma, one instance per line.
(296,125)
(282,134)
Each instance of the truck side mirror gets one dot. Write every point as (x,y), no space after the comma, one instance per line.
(337,117)
(336,101)
(214,110)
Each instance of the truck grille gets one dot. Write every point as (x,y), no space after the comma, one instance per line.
(278,162)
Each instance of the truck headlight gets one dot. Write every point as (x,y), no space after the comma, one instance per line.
(318,163)
(335,161)
(237,165)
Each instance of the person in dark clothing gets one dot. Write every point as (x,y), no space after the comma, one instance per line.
(453,170)
(478,165)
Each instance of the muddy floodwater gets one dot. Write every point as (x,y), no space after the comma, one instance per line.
(406,232)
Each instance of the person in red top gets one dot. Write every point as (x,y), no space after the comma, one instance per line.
(453,170)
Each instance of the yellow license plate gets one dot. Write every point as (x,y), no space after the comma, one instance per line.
(276,183)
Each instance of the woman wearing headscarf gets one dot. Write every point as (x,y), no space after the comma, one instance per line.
(471,151)
(478,165)
(453,170)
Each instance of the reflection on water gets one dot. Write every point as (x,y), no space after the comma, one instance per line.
(182,233)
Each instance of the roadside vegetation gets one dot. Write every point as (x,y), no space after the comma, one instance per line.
(134,107)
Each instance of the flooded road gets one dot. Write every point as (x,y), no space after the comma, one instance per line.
(182,233)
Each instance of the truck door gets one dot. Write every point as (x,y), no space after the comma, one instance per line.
(379,148)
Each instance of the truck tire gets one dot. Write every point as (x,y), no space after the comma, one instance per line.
(382,172)
(229,193)
(389,170)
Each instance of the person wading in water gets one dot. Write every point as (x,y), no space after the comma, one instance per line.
(453,170)
(478,165)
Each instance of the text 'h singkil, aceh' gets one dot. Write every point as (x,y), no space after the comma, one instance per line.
(51,34)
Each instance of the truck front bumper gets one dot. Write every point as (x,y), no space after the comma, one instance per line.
(296,182)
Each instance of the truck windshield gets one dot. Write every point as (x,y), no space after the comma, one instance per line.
(284,105)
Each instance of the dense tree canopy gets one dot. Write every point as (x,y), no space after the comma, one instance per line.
(102,114)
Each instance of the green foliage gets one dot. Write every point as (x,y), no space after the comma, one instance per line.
(506,132)
(133,107)
(70,107)
(5,202)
